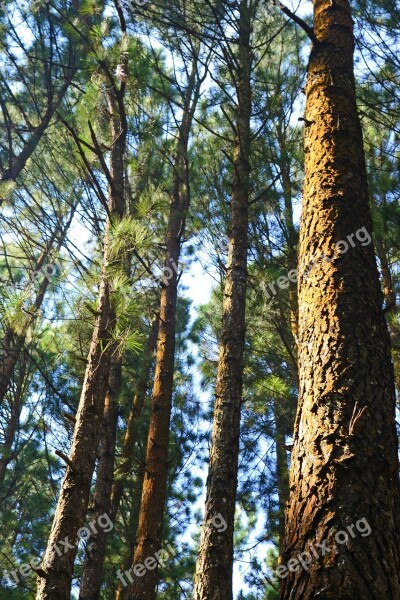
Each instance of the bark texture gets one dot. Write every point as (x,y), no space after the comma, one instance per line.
(92,576)
(58,562)
(149,534)
(108,491)
(215,561)
(344,463)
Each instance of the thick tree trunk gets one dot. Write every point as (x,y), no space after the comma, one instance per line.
(108,492)
(149,534)
(58,563)
(215,561)
(344,473)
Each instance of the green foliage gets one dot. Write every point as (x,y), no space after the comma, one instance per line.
(56,207)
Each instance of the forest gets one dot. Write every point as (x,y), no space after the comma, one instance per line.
(199,300)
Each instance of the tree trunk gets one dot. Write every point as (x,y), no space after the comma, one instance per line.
(92,576)
(17,162)
(58,563)
(387,282)
(282,471)
(108,491)
(133,523)
(127,454)
(149,534)
(291,233)
(215,561)
(344,473)
(13,342)
(389,295)
(6,454)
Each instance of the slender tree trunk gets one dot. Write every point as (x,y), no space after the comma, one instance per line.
(344,473)
(95,550)
(149,534)
(132,524)
(11,347)
(215,561)
(13,342)
(108,491)
(391,305)
(58,563)
(127,454)
(6,454)
(17,163)
(291,237)
(388,290)
(282,471)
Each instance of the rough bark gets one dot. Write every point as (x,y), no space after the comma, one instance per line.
(58,563)
(149,534)
(92,576)
(344,463)
(109,490)
(133,522)
(215,561)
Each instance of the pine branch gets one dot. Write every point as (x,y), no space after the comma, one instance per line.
(65,459)
(309,30)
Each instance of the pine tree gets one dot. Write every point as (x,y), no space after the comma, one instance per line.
(103,368)
(215,561)
(150,527)
(344,487)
